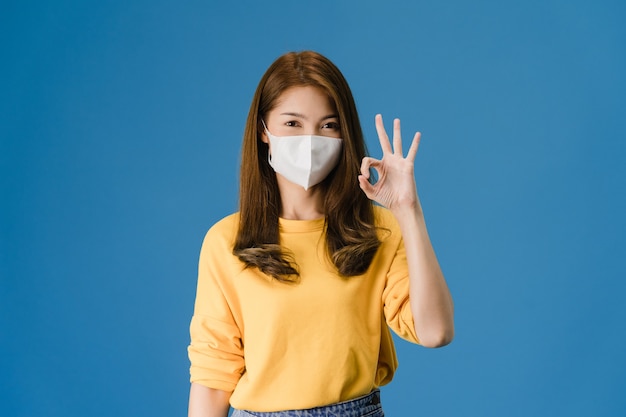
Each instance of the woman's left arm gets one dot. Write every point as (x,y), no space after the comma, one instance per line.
(431,302)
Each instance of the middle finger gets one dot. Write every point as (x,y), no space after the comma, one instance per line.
(382,135)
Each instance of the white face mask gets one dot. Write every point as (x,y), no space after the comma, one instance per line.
(305,159)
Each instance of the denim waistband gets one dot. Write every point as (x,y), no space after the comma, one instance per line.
(367,405)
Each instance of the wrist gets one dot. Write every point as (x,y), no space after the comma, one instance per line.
(407,210)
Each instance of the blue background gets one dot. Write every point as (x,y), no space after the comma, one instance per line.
(120,127)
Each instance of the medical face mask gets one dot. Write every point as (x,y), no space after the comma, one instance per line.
(304,159)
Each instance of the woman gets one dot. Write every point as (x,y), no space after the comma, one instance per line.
(297,291)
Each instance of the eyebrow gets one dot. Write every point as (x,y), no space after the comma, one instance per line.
(302,116)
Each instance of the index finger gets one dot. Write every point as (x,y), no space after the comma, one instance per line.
(382,135)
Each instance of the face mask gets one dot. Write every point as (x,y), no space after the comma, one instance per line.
(305,159)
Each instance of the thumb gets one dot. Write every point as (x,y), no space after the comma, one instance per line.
(367,188)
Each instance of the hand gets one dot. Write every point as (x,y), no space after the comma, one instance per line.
(395,188)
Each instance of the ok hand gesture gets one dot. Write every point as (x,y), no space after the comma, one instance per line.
(395,188)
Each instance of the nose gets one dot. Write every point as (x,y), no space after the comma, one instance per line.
(313,130)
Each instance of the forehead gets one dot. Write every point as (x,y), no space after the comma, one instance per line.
(305,99)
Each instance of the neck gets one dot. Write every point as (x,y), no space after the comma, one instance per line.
(298,203)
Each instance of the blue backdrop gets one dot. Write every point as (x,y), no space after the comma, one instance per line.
(120,127)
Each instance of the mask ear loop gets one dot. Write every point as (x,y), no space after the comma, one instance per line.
(269,155)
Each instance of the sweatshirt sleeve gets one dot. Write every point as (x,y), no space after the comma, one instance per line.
(396,305)
(216,348)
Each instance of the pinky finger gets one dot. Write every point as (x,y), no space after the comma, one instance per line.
(414,146)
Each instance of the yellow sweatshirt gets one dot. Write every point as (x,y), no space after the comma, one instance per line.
(281,346)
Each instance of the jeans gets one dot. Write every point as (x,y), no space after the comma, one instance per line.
(366,406)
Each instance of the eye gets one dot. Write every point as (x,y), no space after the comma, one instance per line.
(292,123)
(331,126)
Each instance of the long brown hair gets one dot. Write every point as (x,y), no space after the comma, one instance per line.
(351,239)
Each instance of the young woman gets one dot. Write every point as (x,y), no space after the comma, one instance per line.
(297,291)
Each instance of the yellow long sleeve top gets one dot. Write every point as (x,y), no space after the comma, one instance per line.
(280,346)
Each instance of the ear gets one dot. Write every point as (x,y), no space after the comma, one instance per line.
(264,137)
(261,127)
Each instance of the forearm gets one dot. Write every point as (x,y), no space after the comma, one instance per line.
(431,302)
(208,402)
